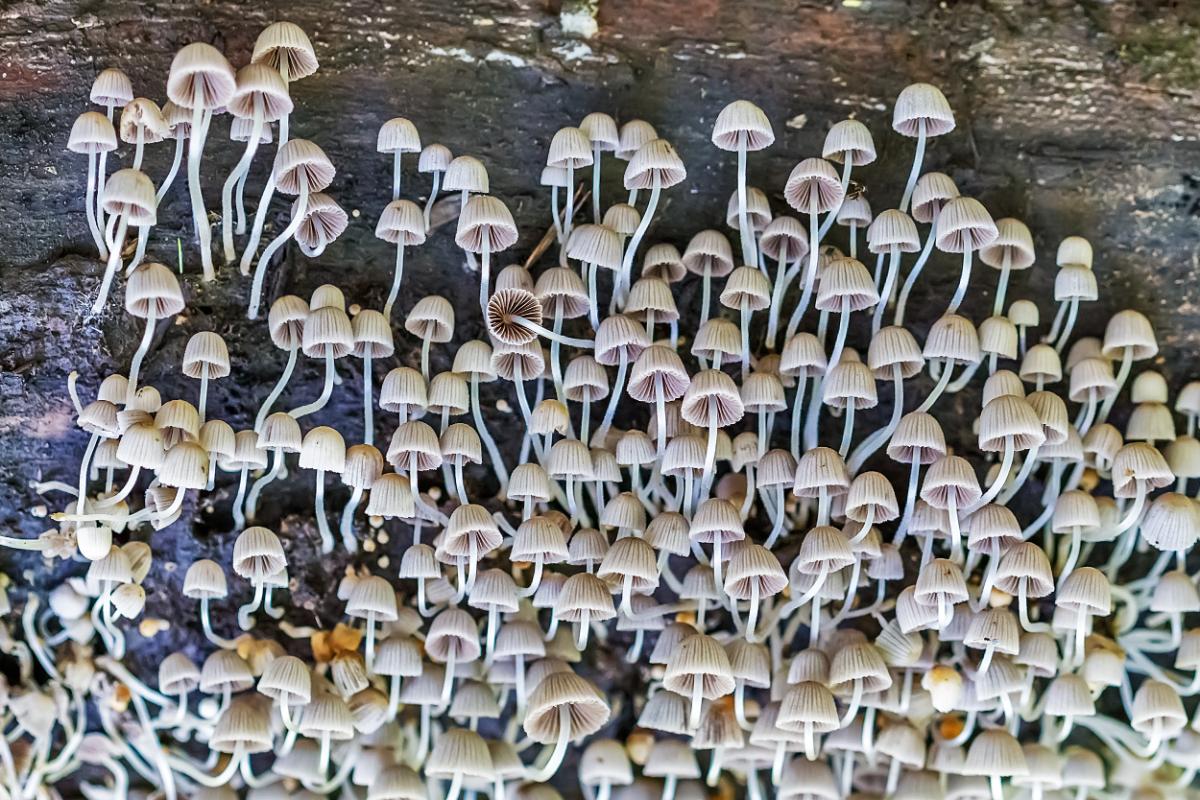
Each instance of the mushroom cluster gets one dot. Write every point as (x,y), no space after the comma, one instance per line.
(709,571)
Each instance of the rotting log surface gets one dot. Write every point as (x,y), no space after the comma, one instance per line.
(1077,117)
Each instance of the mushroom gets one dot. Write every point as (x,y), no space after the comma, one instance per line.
(364,467)
(372,340)
(812,188)
(203,80)
(742,126)
(434,158)
(323,450)
(128,198)
(401,224)
(933,191)
(485,226)
(398,136)
(921,111)
(93,134)
(301,168)
(328,334)
(655,166)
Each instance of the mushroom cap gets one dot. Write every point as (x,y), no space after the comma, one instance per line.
(257,553)
(849,140)
(921,106)
(561,292)
(300,162)
(244,727)
(398,135)
(570,148)
(130,193)
(1012,248)
(930,195)
(1129,333)
(200,74)
(323,448)
(588,708)
(598,245)
(92,132)
(964,224)
(285,46)
(111,87)
(206,356)
(741,125)
(434,158)
(260,90)
(485,223)
(465,174)
(654,165)
(814,187)
(144,116)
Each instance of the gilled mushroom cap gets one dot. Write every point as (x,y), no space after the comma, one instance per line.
(92,133)
(893,229)
(152,288)
(599,245)
(712,397)
(453,631)
(285,321)
(225,669)
(741,125)
(372,334)
(584,593)
(803,356)
(185,466)
(245,727)
(327,715)
(1074,251)
(952,337)
(434,158)
(950,480)
(1009,421)
(323,448)
(398,135)
(589,710)
(964,224)
(288,680)
(709,252)
(145,116)
(431,318)
(206,356)
(747,288)
(327,331)
(201,74)
(373,595)
(663,261)
(561,291)
(1075,283)
(130,192)
(762,392)
(1156,705)
(999,337)
(257,553)
(1013,244)
(470,530)
(849,383)
(177,674)
(633,135)
(323,221)
(894,348)
(260,90)
(280,431)
(1172,523)
(619,338)
(699,658)
(297,158)
(855,210)
(1139,464)
(285,47)
(921,105)
(819,470)
(651,296)
(601,131)
(485,222)
(655,164)
(465,174)
(813,187)
(569,148)
(111,87)
(932,192)
(402,222)
(1129,332)
(850,140)
(391,496)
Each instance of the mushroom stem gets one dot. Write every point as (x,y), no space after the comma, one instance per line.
(847,429)
(245,620)
(485,267)
(326,389)
(322,523)
(810,272)
(915,172)
(1122,376)
(276,469)
(240,169)
(135,366)
(1072,315)
(964,278)
(749,256)
(622,286)
(550,768)
(89,206)
(260,215)
(397,276)
(277,390)
(874,441)
(940,387)
(614,397)
(497,461)
(199,131)
(583,344)
(433,193)
(1006,463)
(347,525)
(889,286)
(172,173)
(113,264)
(926,251)
(260,271)
(368,401)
